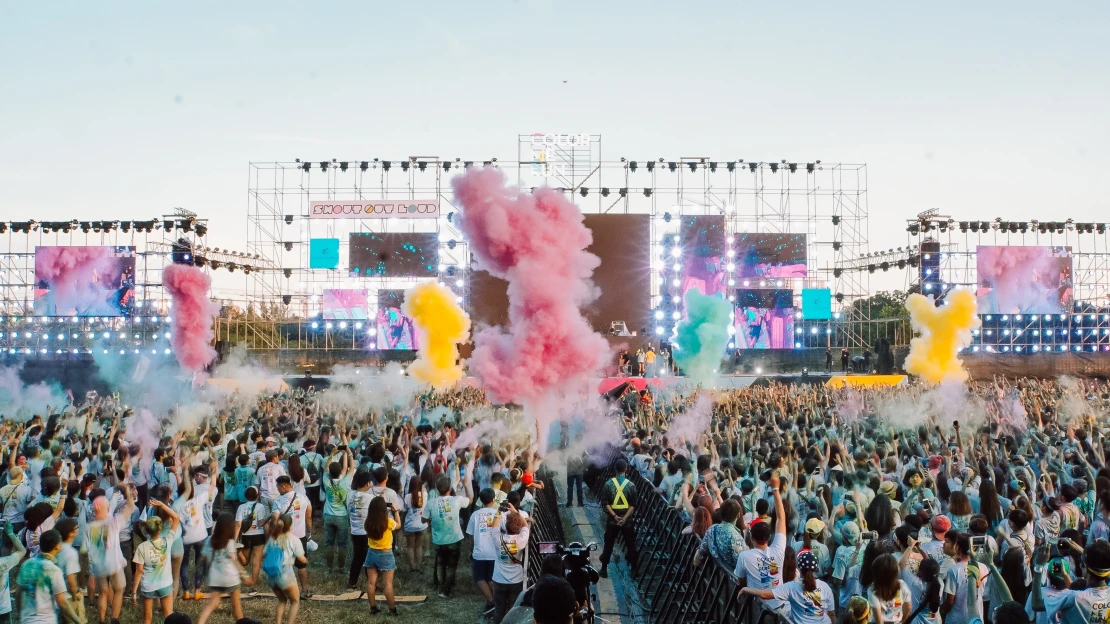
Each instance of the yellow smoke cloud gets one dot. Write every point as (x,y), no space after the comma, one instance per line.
(943,332)
(441,325)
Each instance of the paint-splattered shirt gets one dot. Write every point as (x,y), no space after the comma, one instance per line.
(40,580)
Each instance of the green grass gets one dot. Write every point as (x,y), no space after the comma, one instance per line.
(464,606)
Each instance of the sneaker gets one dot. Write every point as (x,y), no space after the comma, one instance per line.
(374,610)
(188,596)
(393,611)
(444,596)
(307,594)
(252,592)
(198,596)
(489,608)
(604,571)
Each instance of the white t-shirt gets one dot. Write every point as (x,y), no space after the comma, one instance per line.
(509,566)
(358,505)
(266,479)
(192,519)
(391,497)
(414,515)
(105,555)
(806,607)
(763,568)
(1081,607)
(222,571)
(6,565)
(483,531)
(296,505)
(155,557)
(955,584)
(891,609)
(41,580)
(243,514)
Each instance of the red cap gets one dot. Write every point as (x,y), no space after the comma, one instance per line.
(527,479)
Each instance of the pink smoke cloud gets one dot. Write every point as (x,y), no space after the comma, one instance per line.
(79,279)
(537,242)
(193,313)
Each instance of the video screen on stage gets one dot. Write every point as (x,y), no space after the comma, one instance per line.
(764,255)
(395,330)
(344,304)
(1024,279)
(764,319)
(702,240)
(84,281)
(394,254)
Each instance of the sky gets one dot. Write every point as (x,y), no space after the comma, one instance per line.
(124,110)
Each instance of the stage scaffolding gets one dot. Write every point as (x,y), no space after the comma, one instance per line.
(825,201)
(144,331)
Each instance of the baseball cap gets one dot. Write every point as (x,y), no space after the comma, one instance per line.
(849,531)
(527,478)
(814,526)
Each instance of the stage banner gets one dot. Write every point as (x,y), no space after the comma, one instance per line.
(865,381)
(374,209)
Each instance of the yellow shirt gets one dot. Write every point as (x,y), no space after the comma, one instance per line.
(386,542)
(649,357)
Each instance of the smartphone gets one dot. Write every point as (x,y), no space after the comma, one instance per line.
(549,548)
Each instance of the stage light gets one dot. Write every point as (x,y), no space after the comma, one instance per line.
(676,252)
(693,166)
(798,331)
(676,266)
(731,282)
(107,335)
(647,192)
(315,325)
(675,299)
(676,282)
(713,167)
(1063,347)
(672,166)
(583,191)
(667,217)
(659,331)
(327,325)
(658,315)
(632,166)
(731,166)
(730,253)
(758,370)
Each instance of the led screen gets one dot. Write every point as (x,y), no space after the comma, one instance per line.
(344,304)
(1024,280)
(816,304)
(395,330)
(764,319)
(394,254)
(764,255)
(323,253)
(702,248)
(84,281)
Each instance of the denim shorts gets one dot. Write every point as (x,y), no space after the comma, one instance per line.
(158,593)
(382,560)
(336,531)
(482,570)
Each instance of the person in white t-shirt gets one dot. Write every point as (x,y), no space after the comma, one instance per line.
(106,560)
(266,478)
(889,595)
(415,526)
(508,570)
(809,599)
(483,529)
(761,567)
(297,506)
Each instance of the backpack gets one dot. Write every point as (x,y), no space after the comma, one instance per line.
(312,468)
(273,560)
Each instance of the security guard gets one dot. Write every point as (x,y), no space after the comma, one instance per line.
(618,495)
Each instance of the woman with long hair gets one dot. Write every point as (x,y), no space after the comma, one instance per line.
(282,551)
(889,596)
(153,578)
(225,573)
(701,523)
(380,523)
(415,525)
(924,587)
(297,474)
(991,505)
(809,598)
(106,560)
(1013,572)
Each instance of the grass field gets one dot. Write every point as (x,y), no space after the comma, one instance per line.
(464,606)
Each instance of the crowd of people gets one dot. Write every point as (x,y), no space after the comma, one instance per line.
(989,505)
(836,506)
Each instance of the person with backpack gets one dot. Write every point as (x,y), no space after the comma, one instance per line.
(251,518)
(313,464)
(282,552)
(15,497)
(381,521)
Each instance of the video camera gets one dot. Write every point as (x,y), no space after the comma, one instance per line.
(579,573)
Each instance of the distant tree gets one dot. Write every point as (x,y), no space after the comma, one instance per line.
(883,314)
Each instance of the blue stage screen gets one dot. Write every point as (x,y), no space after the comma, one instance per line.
(323,253)
(816,304)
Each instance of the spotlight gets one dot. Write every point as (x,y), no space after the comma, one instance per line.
(752,166)
(385,165)
(774,167)
(667,217)
(583,191)
(810,167)
(793,167)
(693,166)
(201,229)
(651,165)
(324,166)
(286,299)
(343,166)
(605,191)
(624,192)
(307,166)
(647,192)
(288,219)
(713,167)
(632,166)
(672,166)
(404,165)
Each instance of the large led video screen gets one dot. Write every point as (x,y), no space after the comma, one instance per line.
(394,254)
(344,304)
(1024,279)
(84,281)
(395,330)
(764,319)
(764,255)
(702,242)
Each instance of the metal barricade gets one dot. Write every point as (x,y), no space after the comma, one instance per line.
(546,525)
(673,590)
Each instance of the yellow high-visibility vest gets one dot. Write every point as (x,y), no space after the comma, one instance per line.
(620,501)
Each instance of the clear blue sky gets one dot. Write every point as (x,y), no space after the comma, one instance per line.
(125,109)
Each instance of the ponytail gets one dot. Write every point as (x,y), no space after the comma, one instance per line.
(809,581)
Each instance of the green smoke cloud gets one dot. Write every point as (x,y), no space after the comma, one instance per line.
(701,339)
